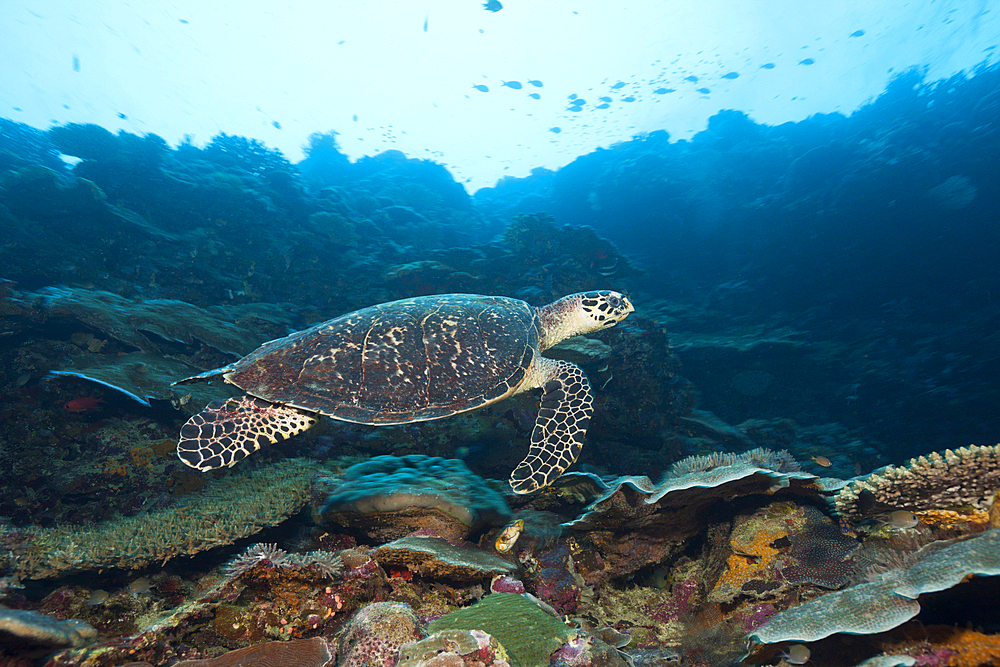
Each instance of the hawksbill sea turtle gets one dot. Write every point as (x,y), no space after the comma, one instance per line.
(408,361)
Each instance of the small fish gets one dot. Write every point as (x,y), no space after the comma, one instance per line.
(76,64)
(555,130)
(508,536)
(516,85)
(492,6)
(96,597)
(822,461)
(899,519)
(602,106)
(807,61)
(704,91)
(620,84)
(140,586)
(481,88)
(663,91)
(692,78)
(628,99)
(606,99)
(797,654)
(536,83)
(425,22)
(535,96)
(767,66)
(857,33)
(83,404)
(731,75)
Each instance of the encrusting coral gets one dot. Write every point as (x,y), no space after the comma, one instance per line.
(966,477)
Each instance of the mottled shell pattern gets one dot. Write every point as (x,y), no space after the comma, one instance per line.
(410,360)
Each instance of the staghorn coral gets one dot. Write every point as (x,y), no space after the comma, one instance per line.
(968,476)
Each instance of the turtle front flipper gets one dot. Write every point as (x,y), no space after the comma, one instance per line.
(227,431)
(559,430)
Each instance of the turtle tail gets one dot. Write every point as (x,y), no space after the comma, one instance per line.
(560,428)
(228,431)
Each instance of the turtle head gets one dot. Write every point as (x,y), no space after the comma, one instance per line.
(582,313)
(604,308)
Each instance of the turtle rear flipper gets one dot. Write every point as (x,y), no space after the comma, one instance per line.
(227,431)
(560,428)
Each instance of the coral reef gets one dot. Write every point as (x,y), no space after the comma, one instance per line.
(239,505)
(889,601)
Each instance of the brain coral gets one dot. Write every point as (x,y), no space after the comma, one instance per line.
(967,476)
(389,497)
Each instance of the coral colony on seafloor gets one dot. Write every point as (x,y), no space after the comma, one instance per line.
(732,501)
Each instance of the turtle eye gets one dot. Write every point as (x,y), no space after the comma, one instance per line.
(614,301)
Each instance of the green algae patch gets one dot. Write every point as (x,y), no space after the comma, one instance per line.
(528,633)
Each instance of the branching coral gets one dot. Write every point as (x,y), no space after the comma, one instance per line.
(968,476)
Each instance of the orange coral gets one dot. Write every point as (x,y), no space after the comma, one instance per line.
(969,648)
(749,561)
(951,517)
(141,456)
